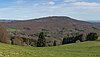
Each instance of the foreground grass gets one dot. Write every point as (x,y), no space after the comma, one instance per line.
(84,49)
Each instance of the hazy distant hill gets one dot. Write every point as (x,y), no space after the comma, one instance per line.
(55,26)
(4,20)
(97,22)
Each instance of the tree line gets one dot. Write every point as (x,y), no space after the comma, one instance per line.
(41,42)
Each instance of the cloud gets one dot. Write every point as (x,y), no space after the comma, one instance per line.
(51,3)
(86,4)
(37,4)
(67,1)
(48,3)
(74,8)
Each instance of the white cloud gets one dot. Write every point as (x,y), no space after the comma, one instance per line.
(70,1)
(37,4)
(79,10)
(86,4)
(51,3)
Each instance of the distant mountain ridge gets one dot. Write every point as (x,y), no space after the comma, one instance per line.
(97,22)
(4,20)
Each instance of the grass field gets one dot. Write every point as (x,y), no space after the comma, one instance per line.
(14,30)
(84,49)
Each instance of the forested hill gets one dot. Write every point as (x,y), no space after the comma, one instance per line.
(53,26)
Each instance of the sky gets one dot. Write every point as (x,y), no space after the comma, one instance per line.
(30,9)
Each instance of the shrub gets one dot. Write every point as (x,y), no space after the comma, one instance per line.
(92,36)
(12,38)
(67,40)
(41,42)
(73,39)
(79,37)
(78,41)
(4,37)
(54,44)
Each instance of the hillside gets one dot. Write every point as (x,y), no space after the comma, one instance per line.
(55,26)
(84,49)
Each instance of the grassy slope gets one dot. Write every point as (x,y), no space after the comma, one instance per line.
(85,49)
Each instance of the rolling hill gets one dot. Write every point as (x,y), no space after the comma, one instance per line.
(54,26)
(84,49)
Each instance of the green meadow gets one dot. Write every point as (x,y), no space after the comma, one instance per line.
(83,49)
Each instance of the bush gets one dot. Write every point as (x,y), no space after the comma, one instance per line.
(54,44)
(92,36)
(12,38)
(80,38)
(4,37)
(41,42)
(67,40)
(78,41)
(73,39)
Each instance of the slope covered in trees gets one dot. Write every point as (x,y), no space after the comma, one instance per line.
(55,29)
